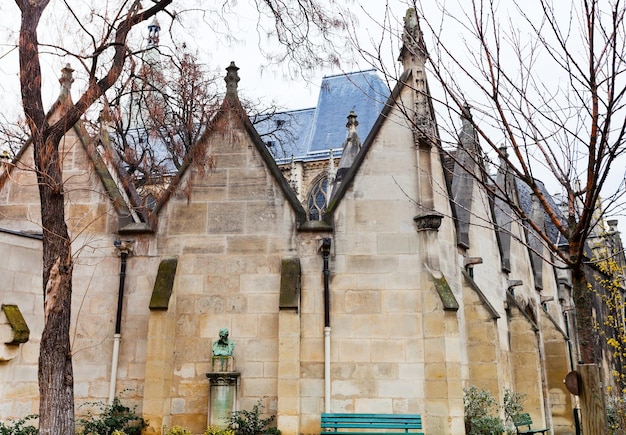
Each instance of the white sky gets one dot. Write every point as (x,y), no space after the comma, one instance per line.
(257,79)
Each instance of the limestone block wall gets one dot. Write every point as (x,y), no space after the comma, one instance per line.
(311,352)
(484,348)
(21,285)
(393,348)
(87,206)
(92,222)
(19,197)
(229,226)
(95,289)
(527,364)
(557,366)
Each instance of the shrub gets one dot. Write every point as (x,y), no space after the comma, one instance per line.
(480,407)
(19,427)
(114,417)
(615,415)
(216,430)
(249,422)
(513,405)
(177,430)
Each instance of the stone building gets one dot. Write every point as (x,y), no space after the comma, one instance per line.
(403,286)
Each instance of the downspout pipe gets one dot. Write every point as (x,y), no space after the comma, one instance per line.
(124,250)
(326,243)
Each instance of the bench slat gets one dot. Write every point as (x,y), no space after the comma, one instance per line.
(373,423)
(370,433)
(525,419)
(390,416)
(372,417)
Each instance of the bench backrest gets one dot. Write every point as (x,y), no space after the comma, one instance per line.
(372,421)
(522,420)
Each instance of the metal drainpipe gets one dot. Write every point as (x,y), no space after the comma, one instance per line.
(124,250)
(326,242)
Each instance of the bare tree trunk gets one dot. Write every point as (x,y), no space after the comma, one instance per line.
(56,389)
(56,386)
(583,301)
(584,316)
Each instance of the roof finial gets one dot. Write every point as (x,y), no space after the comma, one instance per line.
(66,79)
(352,122)
(153,33)
(413,45)
(231,79)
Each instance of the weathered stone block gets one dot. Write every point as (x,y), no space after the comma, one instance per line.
(226,218)
(373,405)
(259,387)
(261,283)
(362,302)
(390,243)
(354,388)
(354,350)
(246,244)
(371,264)
(248,184)
(396,389)
(187,219)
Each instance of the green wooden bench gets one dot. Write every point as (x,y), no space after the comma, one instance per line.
(369,424)
(525,420)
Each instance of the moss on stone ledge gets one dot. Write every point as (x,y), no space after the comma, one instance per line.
(18,324)
(163,284)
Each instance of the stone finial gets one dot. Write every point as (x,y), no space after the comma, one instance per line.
(412,38)
(66,79)
(332,172)
(153,33)
(293,176)
(352,122)
(231,79)
(466,112)
(504,154)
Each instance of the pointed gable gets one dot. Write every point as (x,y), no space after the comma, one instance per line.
(96,199)
(220,167)
(411,96)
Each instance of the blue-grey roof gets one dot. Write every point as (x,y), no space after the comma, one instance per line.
(315,131)
(286,133)
(524,195)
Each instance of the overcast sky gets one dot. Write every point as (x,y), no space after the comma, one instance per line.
(257,78)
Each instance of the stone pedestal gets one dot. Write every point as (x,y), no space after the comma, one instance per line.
(223,380)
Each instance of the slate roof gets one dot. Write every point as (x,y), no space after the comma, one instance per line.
(524,196)
(311,133)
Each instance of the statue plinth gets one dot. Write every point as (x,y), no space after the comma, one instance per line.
(222,364)
(223,390)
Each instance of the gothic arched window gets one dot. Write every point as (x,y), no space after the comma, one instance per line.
(317,199)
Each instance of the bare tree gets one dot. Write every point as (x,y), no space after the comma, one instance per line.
(546,88)
(158,113)
(13,134)
(103,56)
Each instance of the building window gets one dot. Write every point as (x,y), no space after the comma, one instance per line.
(318,199)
